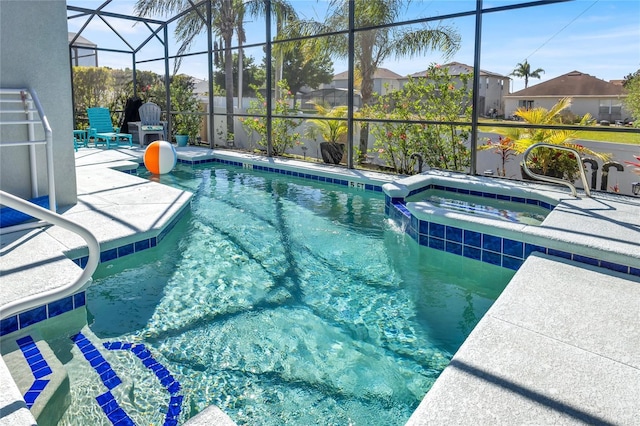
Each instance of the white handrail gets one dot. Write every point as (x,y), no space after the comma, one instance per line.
(583,175)
(28,96)
(54,218)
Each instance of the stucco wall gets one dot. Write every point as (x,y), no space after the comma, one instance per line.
(35,54)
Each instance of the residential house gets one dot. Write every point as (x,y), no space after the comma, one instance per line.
(493,87)
(602,99)
(83,51)
(384,81)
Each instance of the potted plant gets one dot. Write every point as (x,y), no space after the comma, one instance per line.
(186,127)
(333,132)
(548,161)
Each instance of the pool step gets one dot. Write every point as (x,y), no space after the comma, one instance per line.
(39,375)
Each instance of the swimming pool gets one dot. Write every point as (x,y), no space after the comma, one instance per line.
(281,301)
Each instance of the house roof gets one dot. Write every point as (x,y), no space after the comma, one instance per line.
(383,73)
(575,83)
(81,41)
(457,68)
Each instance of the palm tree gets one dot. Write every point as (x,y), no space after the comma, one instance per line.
(374,46)
(227,19)
(523,70)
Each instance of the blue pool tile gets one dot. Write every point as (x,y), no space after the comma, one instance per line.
(26,343)
(173,411)
(415,223)
(488,195)
(174,387)
(492,258)
(38,365)
(108,255)
(113,382)
(586,259)
(125,250)
(518,200)
(9,325)
(33,356)
(167,381)
(107,375)
(90,352)
(454,234)
(491,242)
(455,248)
(42,372)
(368,187)
(127,346)
(476,193)
(511,262)
(533,202)
(142,245)
(413,234)
(136,349)
(30,351)
(436,243)
(110,406)
(513,248)
(30,397)
(33,316)
(472,238)
(104,398)
(117,415)
(39,385)
(436,230)
(614,266)
(423,227)
(503,197)
(148,362)
(162,372)
(60,306)
(112,346)
(377,188)
(153,241)
(102,367)
(423,240)
(79,300)
(170,422)
(472,252)
(463,191)
(634,271)
(559,253)
(530,248)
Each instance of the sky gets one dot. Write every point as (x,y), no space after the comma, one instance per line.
(597,37)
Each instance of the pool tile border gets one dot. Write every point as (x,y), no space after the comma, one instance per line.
(283,171)
(500,251)
(35,315)
(501,197)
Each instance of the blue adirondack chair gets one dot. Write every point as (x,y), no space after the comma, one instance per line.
(102,131)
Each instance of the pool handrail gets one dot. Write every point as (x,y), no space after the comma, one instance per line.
(550,179)
(54,218)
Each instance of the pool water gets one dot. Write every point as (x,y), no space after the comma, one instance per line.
(508,211)
(281,301)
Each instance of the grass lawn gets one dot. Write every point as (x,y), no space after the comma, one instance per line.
(613,136)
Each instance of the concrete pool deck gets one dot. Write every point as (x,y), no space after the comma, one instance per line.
(559,346)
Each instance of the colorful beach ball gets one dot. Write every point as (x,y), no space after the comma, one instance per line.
(160,157)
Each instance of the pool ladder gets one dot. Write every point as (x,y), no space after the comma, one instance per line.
(550,179)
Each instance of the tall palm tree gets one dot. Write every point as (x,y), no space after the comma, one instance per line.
(523,70)
(373,47)
(227,19)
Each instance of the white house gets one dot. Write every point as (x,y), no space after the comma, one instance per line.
(384,81)
(493,87)
(602,99)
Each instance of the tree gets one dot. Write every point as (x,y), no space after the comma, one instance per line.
(523,70)
(436,97)
(632,101)
(252,75)
(300,70)
(227,19)
(91,87)
(375,46)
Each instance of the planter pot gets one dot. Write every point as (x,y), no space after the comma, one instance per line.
(182,140)
(332,152)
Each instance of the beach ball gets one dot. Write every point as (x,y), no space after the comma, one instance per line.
(160,157)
